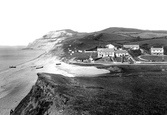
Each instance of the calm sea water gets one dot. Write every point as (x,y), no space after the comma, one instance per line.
(14,56)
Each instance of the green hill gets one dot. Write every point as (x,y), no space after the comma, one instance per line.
(115,36)
(63,43)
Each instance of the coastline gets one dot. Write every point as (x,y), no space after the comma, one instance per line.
(16,83)
(13,81)
(42,52)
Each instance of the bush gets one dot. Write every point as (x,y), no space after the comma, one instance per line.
(135,53)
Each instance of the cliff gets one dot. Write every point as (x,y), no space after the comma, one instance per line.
(55,94)
(52,38)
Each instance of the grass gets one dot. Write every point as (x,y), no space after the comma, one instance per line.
(103,95)
(155,58)
(151,42)
(147,35)
(121,96)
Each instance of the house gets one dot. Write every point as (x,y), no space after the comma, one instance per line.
(110,46)
(88,51)
(92,50)
(105,52)
(119,53)
(157,51)
(132,47)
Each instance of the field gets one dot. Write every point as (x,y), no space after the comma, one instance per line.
(103,95)
(155,58)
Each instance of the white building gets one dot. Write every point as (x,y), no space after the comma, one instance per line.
(133,47)
(110,46)
(105,52)
(157,51)
(109,52)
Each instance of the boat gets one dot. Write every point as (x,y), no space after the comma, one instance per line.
(12,66)
(39,67)
(58,63)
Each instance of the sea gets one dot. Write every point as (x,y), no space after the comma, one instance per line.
(13,56)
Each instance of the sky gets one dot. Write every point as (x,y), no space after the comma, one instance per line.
(23,21)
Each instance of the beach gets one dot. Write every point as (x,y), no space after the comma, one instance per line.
(15,83)
(13,56)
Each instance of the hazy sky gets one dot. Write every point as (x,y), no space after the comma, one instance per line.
(22,21)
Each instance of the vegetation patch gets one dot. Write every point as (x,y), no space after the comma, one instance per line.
(102,95)
(155,58)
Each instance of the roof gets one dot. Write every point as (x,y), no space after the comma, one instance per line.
(105,49)
(121,51)
(132,45)
(156,48)
(92,49)
(110,46)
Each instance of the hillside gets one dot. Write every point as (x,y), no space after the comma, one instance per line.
(136,32)
(67,43)
(129,95)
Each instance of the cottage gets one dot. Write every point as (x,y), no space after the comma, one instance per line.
(89,51)
(157,51)
(105,52)
(132,47)
(120,53)
(110,46)
(92,50)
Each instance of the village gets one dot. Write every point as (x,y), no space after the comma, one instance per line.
(124,55)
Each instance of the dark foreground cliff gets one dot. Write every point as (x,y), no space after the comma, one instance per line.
(55,94)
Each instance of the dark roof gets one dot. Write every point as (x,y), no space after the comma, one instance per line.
(131,45)
(156,48)
(105,49)
(92,49)
(121,51)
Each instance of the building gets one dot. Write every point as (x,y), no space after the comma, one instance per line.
(157,51)
(105,52)
(110,46)
(119,53)
(88,51)
(132,47)
(109,52)
(92,50)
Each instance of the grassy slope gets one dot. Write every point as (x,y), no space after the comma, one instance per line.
(92,41)
(107,95)
(155,58)
(115,36)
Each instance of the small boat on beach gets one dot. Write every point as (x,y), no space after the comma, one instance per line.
(58,63)
(39,67)
(12,66)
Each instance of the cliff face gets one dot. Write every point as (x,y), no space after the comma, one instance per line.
(52,38)
(43,98)
(55,94)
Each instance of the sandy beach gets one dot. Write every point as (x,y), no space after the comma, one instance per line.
(15,83)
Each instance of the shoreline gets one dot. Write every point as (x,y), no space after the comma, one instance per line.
(29,60)
(16,83)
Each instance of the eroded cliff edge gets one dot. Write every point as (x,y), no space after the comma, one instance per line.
(55,94)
